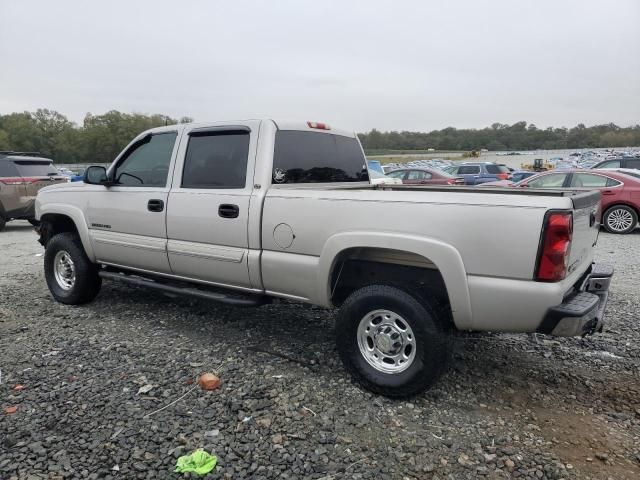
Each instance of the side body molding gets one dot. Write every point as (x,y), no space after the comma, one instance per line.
(445,257)
(75,214)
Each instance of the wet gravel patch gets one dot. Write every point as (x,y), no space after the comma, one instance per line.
(511,406)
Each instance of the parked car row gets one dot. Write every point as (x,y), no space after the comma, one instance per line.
(620,190)
(619,187)
(425,176)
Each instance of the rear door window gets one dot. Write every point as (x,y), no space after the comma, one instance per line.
(468,170)
(496,169)
(38,168)
(216,160)
(610,164)
(587,180)
(314,157)
(418,175)
(633,164)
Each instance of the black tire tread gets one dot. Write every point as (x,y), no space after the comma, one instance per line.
(435,320)
(88,282)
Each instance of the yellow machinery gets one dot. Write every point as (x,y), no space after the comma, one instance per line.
(539,165)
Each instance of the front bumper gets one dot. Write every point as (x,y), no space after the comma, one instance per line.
(582,311)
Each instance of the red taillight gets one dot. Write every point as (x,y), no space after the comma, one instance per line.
(31,179)
(553,257)
(318,125)
(12,181)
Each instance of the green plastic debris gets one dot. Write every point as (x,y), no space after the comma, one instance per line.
(199,462)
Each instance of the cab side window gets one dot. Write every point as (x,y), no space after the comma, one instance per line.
(146,163)
(216,160)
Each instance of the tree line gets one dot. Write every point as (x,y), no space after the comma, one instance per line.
(101,137)
(98,140)
(519,136)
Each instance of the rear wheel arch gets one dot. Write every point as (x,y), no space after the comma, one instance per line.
(427,266)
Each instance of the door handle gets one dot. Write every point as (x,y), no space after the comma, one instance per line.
(226,210)
(607,192)
(155,205)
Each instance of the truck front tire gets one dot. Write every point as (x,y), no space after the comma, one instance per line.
(71,277)
(392,342)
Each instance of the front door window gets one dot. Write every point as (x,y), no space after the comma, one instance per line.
(146,163)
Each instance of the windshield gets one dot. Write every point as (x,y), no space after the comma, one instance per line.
(40,168)
(377,174)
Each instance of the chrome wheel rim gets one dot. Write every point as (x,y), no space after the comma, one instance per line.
(619,220)
(386,341)
(64,270)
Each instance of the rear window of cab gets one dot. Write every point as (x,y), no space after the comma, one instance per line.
(314,157)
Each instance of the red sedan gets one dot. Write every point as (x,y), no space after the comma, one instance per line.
(620,191)
(425,176)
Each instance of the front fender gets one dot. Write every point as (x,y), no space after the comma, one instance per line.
(444,256)
(75,214)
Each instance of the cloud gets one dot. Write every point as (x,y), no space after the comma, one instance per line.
(386,64)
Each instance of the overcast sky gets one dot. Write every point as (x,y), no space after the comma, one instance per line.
(392,65)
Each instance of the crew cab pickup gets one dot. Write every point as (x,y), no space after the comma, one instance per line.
(245,212)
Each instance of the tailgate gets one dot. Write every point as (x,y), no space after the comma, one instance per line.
(586,225)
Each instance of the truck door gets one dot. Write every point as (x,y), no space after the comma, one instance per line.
(208,208)
(127,220)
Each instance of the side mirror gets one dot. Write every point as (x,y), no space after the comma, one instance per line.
(95,175)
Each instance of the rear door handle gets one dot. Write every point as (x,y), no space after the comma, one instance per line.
(226,210)
(155,205)
(607,192)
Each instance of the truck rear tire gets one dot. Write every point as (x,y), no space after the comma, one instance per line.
(71,277)
(392,342)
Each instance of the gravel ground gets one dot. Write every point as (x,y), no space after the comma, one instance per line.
(511,406)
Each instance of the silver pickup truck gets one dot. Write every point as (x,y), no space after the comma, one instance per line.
(248,211)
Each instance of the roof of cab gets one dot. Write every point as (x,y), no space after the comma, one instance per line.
(280,125)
